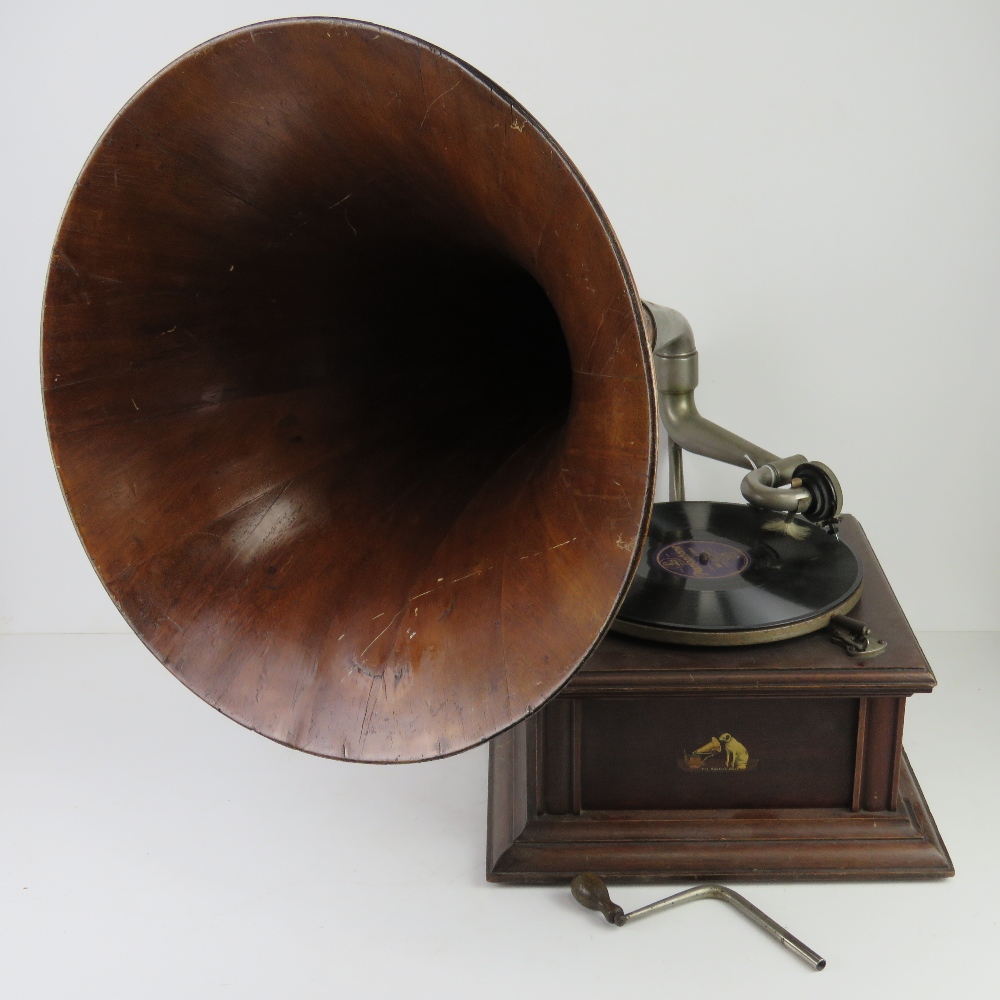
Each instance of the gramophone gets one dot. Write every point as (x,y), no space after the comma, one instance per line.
(354,404)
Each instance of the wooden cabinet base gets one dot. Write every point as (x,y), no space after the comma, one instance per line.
(694,844)
(774,762)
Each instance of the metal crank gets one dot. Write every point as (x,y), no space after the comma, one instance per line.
(590,890)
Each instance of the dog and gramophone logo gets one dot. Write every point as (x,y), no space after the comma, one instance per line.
(721,753)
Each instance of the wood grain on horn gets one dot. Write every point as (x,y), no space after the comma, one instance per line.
(347,390)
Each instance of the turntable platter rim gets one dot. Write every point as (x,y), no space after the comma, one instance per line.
(742,637)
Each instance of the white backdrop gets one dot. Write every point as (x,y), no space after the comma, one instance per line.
(816,186)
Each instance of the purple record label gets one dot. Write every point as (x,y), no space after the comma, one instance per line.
(702,560)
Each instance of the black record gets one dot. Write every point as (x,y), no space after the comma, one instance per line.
(733,574)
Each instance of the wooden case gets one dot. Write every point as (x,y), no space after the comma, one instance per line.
(811,784)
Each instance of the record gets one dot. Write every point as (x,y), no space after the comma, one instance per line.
(720,574)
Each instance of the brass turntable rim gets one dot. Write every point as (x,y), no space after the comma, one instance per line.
(745,637)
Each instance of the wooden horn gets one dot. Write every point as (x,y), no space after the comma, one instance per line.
(348,391)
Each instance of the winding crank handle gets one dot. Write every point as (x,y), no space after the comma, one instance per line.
(589,890)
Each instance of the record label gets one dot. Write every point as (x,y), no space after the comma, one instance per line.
(703,559)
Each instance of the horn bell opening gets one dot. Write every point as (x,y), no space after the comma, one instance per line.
(348,392)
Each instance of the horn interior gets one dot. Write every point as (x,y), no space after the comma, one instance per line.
(347,390)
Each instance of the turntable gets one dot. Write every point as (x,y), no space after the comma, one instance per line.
(354,404)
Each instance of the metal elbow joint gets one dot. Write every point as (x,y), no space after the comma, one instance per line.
(675,359)
(796,486)
(772,486)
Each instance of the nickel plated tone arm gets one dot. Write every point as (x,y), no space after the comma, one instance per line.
(791,485)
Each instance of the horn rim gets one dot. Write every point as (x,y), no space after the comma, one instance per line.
(627,280)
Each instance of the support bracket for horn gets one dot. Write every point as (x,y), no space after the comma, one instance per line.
(791,485)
